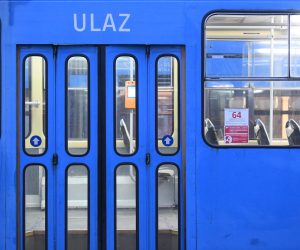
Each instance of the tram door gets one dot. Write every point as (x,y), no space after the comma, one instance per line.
(58,147)
(143,148)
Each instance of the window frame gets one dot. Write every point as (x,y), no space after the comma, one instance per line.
(66,105)
(24,136)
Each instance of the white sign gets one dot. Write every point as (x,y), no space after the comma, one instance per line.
(131,92)
(108,22)
(236,126)
(237,117)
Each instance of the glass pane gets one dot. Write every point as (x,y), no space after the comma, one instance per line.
(78,106)
(295,45)
(125,113)
(78,206)
(246,46)
(273,112)
(35,207)
(126,205)
(35,106)
(167,210)
(167,104)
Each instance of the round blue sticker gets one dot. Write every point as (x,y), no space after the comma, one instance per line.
(167,140)
(35,141)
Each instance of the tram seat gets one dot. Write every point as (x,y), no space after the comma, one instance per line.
(293,132)
(125,134)
(261,133)
(210,132)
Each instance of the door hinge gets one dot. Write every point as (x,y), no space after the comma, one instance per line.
(54,159)
(147,159)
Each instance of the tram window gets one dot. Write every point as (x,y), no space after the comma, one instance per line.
(247,46)
(125,105)
(295,45)
(77,200)
(35,105)
(78,105)
(167,120)
(35,185)
(251,97)
(126,207)
(167,207)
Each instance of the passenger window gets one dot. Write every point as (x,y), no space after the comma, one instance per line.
(77,199)
(78,105)
(35,105)
(126,207)
(126,105)
(245,101)
(167,86)
(167,207)
(35,192)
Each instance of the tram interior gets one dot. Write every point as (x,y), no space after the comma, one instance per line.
(252,62)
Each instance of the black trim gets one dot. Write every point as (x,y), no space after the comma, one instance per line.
(101,102)
(136,102)
(88,202)
(203,70)
(136,203)
(66,104)
(178,108)
(24,205)
(179,202)
(45,123)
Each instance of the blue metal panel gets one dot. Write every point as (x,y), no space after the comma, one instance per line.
(235,198)
(112,159)
(91,159)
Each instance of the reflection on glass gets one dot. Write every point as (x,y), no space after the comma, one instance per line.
(77,109)
(167,104)
(78,205)
(35,207)
(125,113)
(35,124)
(126,205)
(247,46)
(295,45)
(167,210)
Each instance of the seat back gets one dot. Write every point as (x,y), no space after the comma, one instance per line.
(261,133)
(293,132)
(210,132)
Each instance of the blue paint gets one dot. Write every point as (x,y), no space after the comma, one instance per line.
(235,198)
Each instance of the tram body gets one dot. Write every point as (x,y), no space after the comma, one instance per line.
(150,125)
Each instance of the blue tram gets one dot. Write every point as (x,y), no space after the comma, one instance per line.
(163,125)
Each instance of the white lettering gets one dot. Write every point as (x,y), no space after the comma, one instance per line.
(122,27)
(109,22)
(93,28)
(76,23)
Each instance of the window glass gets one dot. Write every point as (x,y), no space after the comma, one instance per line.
(273,108)
(35,105)
(125,101)
(295,45)
(78,105)
(167,79)
(246,46)
(259,104)
(126,207)
(77,207)
(167,207)
(35,207)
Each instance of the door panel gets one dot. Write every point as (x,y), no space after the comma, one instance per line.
(59,163)
(143,147)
